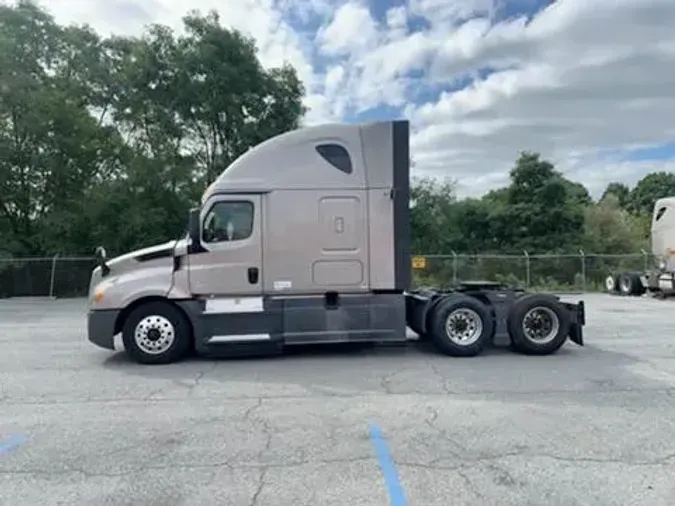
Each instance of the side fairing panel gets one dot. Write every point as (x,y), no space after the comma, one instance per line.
(387,157)
(382,256)
(401,196)
(378,154)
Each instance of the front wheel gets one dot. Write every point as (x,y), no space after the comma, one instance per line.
(460,326)
(156,333)
(538,324)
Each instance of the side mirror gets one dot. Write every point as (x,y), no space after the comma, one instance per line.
(101,257)
(100,254)
(194,232)
(193,227)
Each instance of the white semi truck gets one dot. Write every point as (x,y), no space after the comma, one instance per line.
(660,280)
(305,239)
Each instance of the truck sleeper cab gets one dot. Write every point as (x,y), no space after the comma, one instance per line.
(305,239)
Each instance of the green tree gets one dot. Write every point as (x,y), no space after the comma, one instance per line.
(51,147)
(227,101)
(610,229)
(111,141)
(541,211)
(620,191)
(431,204)
(651,188)
(203,93)
(577,193)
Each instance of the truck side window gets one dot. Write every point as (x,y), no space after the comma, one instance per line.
(228,221)
(337,156)
(660,213)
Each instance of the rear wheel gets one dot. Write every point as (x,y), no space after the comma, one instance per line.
(538,324)
(156,333)
(460,326)
(611,284)
(630,284)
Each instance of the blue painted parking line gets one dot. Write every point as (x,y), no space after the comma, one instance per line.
(388,468)
(11,444)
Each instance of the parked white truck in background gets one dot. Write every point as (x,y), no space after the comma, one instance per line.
(661,279)
(306,239)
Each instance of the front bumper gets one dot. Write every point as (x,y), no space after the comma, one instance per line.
(101,327)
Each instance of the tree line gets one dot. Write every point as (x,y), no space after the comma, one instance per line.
(110,140)
(540,211)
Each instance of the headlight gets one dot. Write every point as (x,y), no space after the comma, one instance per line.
(663,263)
(98,293)
(94,280)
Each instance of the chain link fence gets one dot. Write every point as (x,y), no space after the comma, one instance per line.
(60,277)
(64,277)
(582,272)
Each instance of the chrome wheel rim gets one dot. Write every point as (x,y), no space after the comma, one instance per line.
(464,326)
(541,325)
(154,334)
(610,283)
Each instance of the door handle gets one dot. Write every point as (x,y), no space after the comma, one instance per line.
(253,274)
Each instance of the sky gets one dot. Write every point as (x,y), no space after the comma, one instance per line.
(589,84)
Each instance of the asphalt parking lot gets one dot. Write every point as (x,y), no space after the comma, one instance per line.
(399,426)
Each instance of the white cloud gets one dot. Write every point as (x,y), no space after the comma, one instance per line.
(351,30)
(577,78)
(584,76)
(448,13)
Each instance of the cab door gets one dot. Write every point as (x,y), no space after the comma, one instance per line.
(226,278)
(230,261)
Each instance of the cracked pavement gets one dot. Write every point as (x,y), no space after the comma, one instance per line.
(588,426)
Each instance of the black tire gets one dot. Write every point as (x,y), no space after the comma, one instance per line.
(464,311)
(161,319)
(423,338)
(545,309)
(638,288)
(630,284)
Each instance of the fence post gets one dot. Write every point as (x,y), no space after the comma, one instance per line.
(583,270)
(454,267)
(51,281)
(527,269)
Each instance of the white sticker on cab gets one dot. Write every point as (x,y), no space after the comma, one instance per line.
(282,285)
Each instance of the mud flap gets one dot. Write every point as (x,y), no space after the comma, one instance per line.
(578,312)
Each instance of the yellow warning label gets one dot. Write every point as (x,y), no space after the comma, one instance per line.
(419,263)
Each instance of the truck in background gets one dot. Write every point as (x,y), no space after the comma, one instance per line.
(660,280)
(305,239)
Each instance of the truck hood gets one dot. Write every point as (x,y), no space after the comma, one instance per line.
(155,252)
(151,257)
